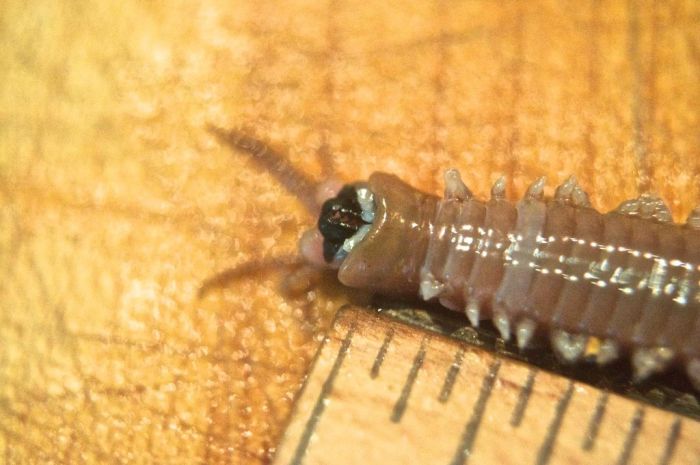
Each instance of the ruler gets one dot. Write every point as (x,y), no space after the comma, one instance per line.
(385,392)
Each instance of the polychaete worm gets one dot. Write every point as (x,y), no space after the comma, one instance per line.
(598,285)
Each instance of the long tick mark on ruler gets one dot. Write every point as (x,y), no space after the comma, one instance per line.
(402,402)
(547,446)
(466,443)
(451,376)
(594,423)
(320,405)
(631,439)
(523,397)
(671,440)
(374,372)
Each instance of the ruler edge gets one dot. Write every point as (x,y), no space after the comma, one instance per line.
(346,318)
(340,314)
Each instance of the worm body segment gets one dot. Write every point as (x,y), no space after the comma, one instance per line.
(626,281)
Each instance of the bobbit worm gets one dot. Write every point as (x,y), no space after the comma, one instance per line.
(622,283)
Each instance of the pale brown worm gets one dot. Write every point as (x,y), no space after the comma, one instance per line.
(598,285)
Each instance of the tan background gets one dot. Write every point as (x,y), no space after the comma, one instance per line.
(115,203)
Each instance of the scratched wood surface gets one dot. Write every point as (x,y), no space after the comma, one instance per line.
(115,202)
(383,392)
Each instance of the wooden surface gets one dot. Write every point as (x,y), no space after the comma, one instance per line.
(384,392)
(115,203)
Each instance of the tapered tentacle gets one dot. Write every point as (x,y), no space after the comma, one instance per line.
(498,191)
(455,187)
(524,332)
(536,190)
(248,269)
(518,274)
(272,161)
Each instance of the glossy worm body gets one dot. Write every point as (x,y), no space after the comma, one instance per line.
(598,285)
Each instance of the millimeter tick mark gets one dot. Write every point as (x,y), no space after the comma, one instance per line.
(594,424)
(523,397)
(400,406)
(451,376)
(466,443)
(320,405)
(547,446)
(374,372)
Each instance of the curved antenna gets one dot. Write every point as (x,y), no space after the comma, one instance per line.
(248,269)
(278,165)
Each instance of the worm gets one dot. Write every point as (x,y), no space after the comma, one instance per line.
(597,285)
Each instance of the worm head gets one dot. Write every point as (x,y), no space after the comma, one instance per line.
(345,219)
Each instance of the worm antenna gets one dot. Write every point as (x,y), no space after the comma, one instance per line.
(246,270)
(325,159)
(278,165)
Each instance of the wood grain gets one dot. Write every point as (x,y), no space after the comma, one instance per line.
(116,203)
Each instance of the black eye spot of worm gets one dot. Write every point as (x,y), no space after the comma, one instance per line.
(341,217)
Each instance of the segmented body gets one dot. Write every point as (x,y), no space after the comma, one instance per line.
(597,284)
(620,282)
